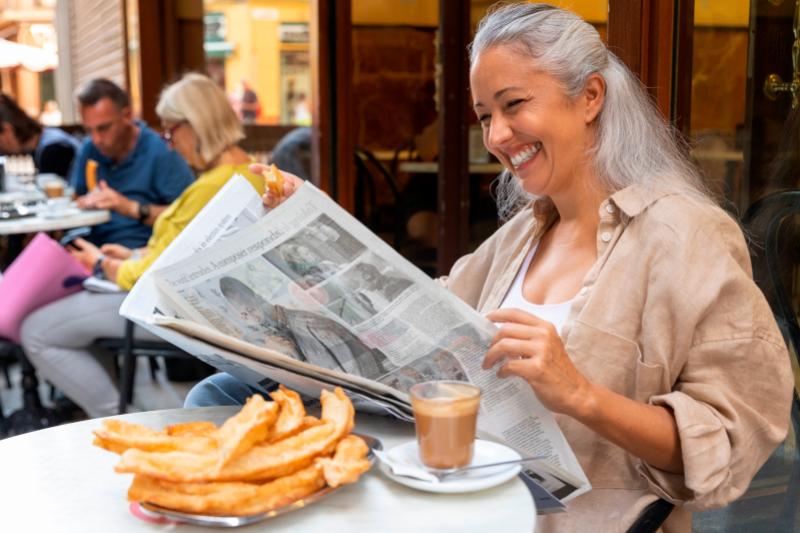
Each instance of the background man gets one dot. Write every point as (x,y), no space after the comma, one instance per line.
(124,167)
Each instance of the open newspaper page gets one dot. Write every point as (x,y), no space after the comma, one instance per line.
(237,205)
(311,283)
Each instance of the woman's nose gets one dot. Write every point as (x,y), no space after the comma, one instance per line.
(499,134)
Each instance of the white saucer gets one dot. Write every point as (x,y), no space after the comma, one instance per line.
(485,452)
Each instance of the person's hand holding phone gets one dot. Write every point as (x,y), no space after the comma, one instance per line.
(84,251)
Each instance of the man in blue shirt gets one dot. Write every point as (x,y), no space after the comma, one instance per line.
(125,167)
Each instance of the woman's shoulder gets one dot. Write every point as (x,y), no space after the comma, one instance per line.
(692,226)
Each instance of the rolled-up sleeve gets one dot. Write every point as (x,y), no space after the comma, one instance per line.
(732,405)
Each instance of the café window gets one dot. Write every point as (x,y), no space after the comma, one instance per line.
(258,52)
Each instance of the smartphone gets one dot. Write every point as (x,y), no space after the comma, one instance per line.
(77,233)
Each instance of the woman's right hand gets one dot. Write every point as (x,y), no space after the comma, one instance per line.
(116,251)
(290,184)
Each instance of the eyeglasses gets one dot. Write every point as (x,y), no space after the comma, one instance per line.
(169,132)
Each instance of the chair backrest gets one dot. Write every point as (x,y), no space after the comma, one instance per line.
(367,166)
(779,205)
(776,208)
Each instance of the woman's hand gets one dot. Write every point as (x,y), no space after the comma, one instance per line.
(290,184)
(536,353)
(85,252)
(116,251)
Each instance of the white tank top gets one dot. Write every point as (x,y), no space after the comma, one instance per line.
(556,314)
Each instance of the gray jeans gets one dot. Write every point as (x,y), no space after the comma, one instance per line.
(58,338)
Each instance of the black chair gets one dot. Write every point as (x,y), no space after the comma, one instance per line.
(652,517)
(367,168)
(130,349)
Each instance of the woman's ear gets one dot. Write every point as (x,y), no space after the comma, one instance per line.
(594,94)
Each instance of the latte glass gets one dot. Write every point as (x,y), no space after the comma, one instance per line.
(446,416)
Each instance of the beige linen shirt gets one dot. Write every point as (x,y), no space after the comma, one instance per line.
(669,315)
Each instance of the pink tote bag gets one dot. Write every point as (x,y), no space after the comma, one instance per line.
(44,272)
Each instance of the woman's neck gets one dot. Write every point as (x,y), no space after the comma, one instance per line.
(232,156)
(579,205)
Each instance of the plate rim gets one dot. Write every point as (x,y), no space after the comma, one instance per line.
(455,486)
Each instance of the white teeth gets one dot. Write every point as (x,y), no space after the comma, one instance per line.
(526,154)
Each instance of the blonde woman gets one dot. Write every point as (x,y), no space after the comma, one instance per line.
(625,294)
(203,128)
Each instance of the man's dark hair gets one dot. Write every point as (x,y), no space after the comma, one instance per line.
(98,89)
(24,126)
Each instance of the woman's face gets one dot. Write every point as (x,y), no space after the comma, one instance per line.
(183,140)
(529,124)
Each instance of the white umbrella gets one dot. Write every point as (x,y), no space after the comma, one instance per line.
(14,55)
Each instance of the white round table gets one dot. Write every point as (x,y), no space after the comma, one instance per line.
(41,223)
(55,480)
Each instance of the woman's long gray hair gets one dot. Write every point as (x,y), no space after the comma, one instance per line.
(633,143)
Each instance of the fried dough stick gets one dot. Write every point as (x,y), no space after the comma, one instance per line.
(290,421)
(273,179)
(117,436)
(238,499)
(239,433)
(261,462)
(244,430)
(228,499)
(349,462)
(190,428)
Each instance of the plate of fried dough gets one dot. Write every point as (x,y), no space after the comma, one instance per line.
(267,460)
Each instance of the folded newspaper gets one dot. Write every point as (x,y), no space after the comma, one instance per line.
(307,296)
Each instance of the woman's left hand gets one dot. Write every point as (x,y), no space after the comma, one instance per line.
(536,353)
(88,254)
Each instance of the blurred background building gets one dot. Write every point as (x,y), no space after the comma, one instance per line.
(28,22)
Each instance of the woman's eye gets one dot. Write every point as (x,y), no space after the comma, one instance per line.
(513,103)
(484,118)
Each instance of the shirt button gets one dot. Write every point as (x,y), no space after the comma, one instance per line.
(584,290)
(610,208)
(606,237)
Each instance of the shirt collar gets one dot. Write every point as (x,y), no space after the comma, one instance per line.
(632,200)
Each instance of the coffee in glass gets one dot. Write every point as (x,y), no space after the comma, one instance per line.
(446,415)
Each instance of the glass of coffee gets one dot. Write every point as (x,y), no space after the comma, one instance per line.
(54,189)
(446,415)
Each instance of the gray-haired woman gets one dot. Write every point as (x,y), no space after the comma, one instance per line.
(625,294)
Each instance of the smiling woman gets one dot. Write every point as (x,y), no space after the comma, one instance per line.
(609,217)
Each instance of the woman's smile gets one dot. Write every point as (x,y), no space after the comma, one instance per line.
(525,156)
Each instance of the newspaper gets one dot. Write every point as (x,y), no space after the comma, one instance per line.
(307,296)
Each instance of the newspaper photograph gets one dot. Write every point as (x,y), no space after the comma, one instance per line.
(309,284)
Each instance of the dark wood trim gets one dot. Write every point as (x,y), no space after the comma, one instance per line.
(626,27)
(332,154)
(683,48)
(453,190)
(658,72)
(654,39)
(151,36)
(164,50)
(320,99)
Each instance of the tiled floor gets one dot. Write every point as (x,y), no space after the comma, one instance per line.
(148,395)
